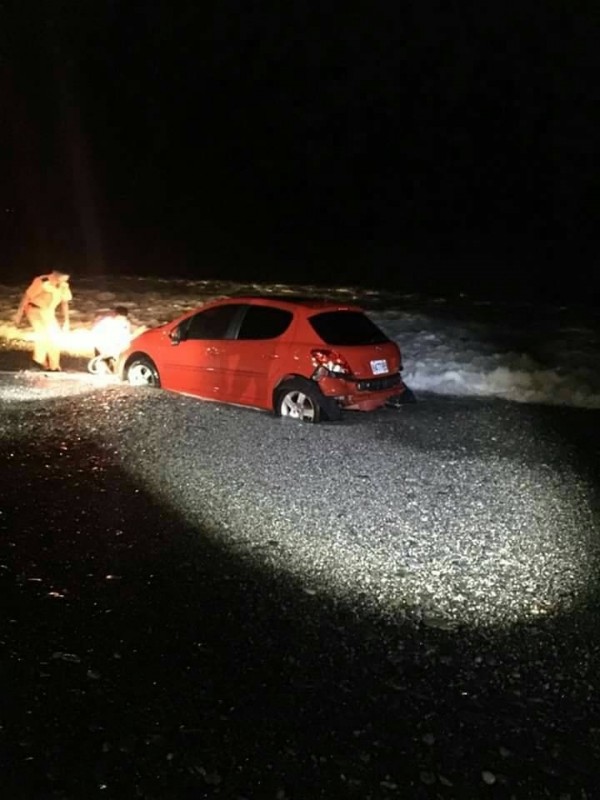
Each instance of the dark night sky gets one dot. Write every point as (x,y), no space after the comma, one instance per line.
(412,141)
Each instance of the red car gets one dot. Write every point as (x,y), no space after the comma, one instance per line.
(302,358)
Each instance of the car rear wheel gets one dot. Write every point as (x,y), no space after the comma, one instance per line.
(302,400)
(141,371)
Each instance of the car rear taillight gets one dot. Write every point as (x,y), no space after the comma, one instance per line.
(330,361)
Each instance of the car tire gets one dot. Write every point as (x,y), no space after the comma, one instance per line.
(303,400)
(141,371)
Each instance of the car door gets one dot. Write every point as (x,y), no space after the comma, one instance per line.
(252,358)
(194,363)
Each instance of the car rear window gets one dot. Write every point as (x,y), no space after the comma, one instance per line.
(347,327)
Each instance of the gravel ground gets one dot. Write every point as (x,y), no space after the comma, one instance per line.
(206,601)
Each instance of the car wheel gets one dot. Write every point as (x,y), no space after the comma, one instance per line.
(141,371)
(302,400)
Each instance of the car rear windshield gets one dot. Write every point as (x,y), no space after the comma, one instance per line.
(347,327)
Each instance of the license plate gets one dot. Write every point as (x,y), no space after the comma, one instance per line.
(379,367)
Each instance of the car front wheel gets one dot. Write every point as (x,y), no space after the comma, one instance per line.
(141,371)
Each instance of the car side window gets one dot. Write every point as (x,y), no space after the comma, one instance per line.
(214,323)
(264,322)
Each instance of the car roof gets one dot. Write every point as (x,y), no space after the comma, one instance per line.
(309,303)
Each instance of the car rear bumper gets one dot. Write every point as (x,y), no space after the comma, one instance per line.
(362,394)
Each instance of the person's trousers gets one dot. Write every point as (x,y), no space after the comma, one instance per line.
(46,341)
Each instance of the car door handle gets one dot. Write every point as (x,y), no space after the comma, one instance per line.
(212,351)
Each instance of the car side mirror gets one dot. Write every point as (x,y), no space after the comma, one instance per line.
(175,335)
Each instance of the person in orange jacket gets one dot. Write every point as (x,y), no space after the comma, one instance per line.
(42,298)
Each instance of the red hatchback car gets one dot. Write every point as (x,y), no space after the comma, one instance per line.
(302,358)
